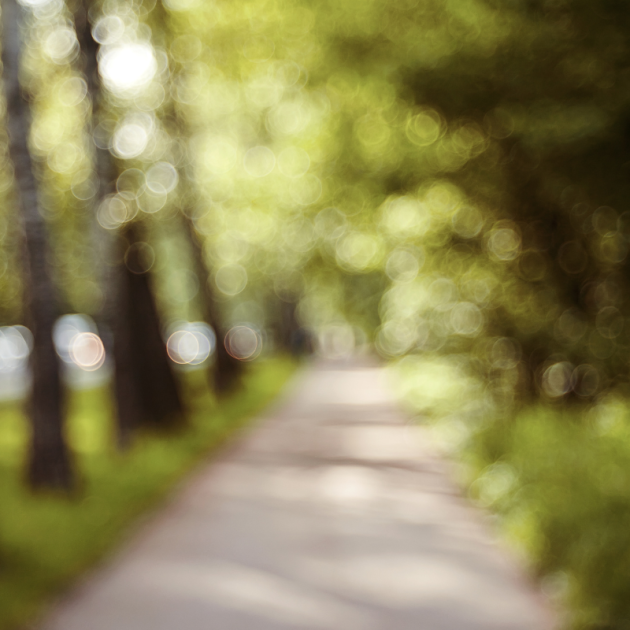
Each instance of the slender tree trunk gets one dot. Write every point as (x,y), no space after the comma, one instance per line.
(105,171)
(226,372)
(145,387)
(289,336)
(49,460)
(293,338)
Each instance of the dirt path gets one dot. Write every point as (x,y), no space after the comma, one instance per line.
(331,514)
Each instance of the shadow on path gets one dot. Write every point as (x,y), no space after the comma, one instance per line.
(332,513)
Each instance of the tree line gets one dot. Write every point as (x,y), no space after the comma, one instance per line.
(433,177)
(145,389)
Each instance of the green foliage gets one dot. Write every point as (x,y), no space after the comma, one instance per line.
(556,476)
(559,481)
(47,541)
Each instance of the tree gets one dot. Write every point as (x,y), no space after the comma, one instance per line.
(225,372)
(146,391)
(145,387)
(49,464)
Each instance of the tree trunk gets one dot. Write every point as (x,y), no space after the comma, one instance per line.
(49,460)
(145,388)
(227,370)
(289,335)
(224,375)
(105,171)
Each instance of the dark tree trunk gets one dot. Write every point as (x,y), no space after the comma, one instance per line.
(105,171)
(145,387)
(226,371)
(105,168)
(49,460)
(288,326)
(147,394)
(290,336)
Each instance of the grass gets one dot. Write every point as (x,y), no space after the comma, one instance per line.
(46,541)
(557,477)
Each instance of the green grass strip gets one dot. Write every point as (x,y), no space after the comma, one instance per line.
(46,542)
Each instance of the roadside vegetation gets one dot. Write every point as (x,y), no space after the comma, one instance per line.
(555,475)
(47,541)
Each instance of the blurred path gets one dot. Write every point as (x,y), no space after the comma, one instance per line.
(330,514)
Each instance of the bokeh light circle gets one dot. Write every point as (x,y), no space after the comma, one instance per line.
(127,68)
(557,379)
(162,178)
(87,351)
(77,342)
(259,161)
(231,279)
(139,257)
(243,342)
(191,343)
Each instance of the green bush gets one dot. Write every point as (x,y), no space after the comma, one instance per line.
(557,476)
(560,481)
